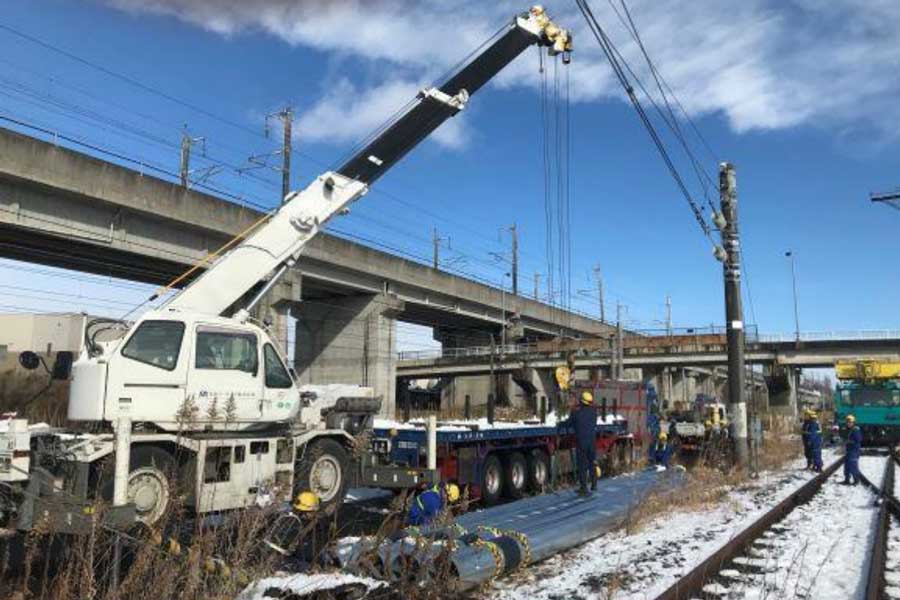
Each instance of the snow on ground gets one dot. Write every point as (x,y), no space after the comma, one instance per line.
(366,494)
(820,550)
(892,565)
(642,565)
(872,468)
(304,584)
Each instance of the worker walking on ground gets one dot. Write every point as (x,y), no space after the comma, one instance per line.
(430,503)
(584,421)
(815,442)
(804,434)
(662,450)
(853,447)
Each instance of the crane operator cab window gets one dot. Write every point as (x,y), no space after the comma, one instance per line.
(226,351)
(156,343)
(277,376)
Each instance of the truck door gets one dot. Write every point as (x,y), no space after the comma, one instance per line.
(149,381)
(225,379)
(277,385)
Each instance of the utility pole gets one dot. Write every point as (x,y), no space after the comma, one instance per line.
(734,319)
(187,142)
(600,301)
(620,354)
(790,255)
(537,286)
(436,243)
(261,161)
(669,315)
(515,259)
(287,121)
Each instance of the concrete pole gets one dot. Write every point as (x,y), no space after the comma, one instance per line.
(185,158)
(537,286)
(600,301)
(515,259)
(436,242)
(668,315)
(287,118)
(734,319)
(620,354)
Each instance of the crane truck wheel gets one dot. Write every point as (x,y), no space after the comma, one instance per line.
(515,476)
(491,480)
(323,470)
(150,488)
(538,470)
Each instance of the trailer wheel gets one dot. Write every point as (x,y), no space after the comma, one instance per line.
(149,487)
(515,476)
(323,470)
(491,479)
(538,470)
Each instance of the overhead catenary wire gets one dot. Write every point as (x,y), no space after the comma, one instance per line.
(612,57)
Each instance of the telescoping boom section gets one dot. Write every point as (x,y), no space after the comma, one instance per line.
(278,240)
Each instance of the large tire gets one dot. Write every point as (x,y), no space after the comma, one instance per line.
(150,483)
(323,470)
(515,476)
(538,470)
(491,480)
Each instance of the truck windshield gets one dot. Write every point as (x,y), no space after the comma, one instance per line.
(871,396)
(156,343)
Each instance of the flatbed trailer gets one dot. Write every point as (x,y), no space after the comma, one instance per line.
(503,460)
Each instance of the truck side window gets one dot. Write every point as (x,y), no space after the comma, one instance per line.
(276,375)
(226,351)
(156,343)
(217,466)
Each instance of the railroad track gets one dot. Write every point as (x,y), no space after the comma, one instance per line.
(808,537)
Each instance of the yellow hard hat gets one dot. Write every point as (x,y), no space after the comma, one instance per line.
(708,423)
(452,492)
(598,471)
(851,418)
(813,415)
(587,398)
(306,502)
(663,435)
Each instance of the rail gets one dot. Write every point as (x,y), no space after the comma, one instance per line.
(837,336)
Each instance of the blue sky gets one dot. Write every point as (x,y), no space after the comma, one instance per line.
(800,97)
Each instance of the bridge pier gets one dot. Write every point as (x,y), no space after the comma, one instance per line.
(782,384)
(352,340)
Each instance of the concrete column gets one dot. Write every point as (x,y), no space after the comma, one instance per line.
(782,391)
(350,339)
(276,308)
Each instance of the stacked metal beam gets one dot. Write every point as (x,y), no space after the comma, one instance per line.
(488,543)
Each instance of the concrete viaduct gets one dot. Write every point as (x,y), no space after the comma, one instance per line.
(67,209)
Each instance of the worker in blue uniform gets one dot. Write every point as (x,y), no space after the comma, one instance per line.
(430,502)
(853,447)
(584,421)
(804,435)
(815,442)
(662,450)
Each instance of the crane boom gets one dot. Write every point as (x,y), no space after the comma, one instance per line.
(276,244)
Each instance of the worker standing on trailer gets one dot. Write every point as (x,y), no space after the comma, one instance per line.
(853,447)
(804,434)
(815,442)
(584,421)
(431,502)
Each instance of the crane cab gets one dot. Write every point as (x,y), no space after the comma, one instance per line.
(186,372)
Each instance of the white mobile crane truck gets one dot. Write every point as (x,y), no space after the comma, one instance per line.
(198,389)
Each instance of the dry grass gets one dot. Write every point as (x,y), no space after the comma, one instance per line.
(20,392)
(705,486)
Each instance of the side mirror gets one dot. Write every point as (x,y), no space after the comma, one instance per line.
(29,360)
(62,366)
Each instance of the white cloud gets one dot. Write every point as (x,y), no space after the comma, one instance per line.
(763,64)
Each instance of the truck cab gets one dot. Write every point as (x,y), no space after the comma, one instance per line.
(186,372)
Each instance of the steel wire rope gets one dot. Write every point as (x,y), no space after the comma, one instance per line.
(607,48)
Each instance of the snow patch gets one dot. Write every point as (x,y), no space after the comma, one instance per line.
(303,583)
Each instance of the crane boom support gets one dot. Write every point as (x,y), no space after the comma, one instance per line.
(277,243)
